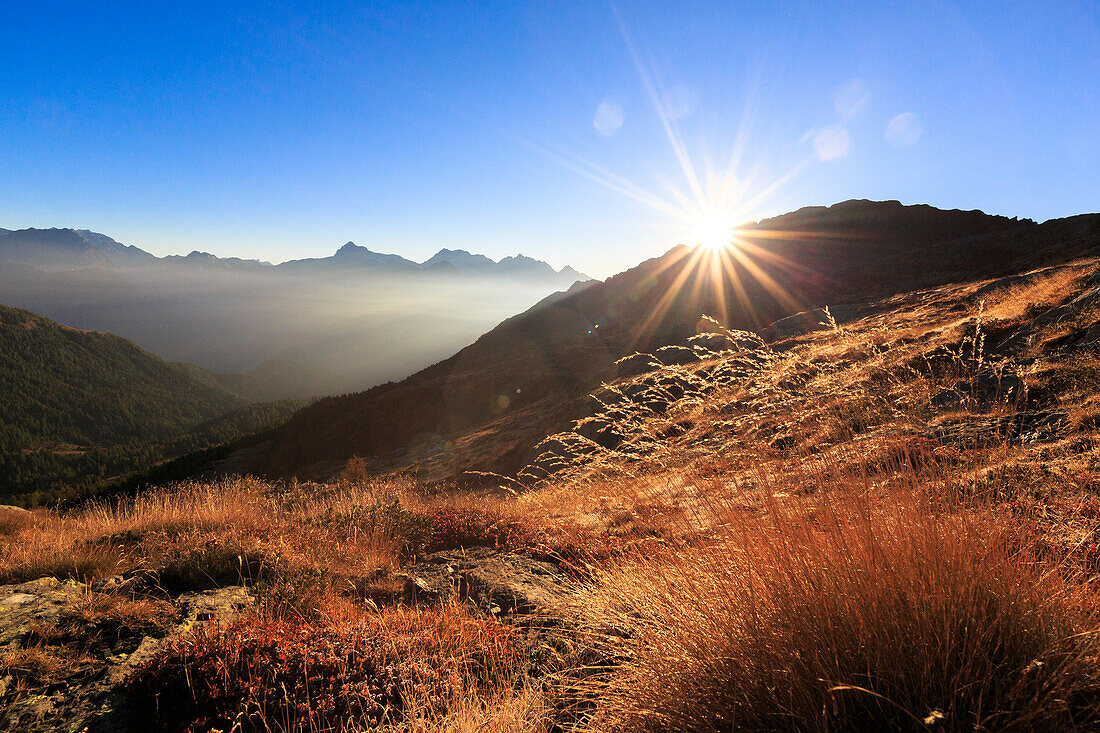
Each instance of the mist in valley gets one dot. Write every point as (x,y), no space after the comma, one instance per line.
(304,333)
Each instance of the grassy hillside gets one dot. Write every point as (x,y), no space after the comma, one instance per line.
(890,523)
(78,407)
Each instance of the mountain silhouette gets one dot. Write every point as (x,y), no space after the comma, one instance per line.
(353,319)
(69,249)
(461,260)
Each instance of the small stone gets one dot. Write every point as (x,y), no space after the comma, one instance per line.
(38,586)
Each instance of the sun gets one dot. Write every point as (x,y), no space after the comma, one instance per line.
(713,231)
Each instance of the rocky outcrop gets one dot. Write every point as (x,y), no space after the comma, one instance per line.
(83,693)
(40,601)
(494,582)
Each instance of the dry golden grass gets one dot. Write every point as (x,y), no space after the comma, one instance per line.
(836,552)
(523,711)
(37,665)
(244,522)
(849,613)
(13,520)
(112,616)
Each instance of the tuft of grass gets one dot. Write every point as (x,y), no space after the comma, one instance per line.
(35,665)
(862,616)
(107,617)
(215,564)
(511,711)
(49,555)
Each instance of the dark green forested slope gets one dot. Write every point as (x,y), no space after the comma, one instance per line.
(78,407)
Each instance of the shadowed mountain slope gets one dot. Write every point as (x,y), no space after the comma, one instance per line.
(67,385)
(522,380)
(78,406)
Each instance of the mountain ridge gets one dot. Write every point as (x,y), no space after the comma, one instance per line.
(68,248)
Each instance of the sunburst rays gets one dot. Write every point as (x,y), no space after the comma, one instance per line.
(707,207)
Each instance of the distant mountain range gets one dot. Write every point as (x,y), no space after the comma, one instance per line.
(52,250)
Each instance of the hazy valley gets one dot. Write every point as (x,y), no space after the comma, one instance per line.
(309,326)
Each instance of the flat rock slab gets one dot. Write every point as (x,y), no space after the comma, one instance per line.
(41,601)
(223,605)
(496,582)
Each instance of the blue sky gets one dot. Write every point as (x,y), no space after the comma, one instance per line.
(282,130)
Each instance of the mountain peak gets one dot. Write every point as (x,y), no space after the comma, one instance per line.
(570,271)
(524,265)
(66,248)
(351,248)
(460,259)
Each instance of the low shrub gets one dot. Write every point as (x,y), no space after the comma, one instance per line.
(434,528)
(453,527)
(264,675)
(385,517)
(295,594)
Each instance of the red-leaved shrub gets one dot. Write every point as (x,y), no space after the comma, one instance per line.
(270,675)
